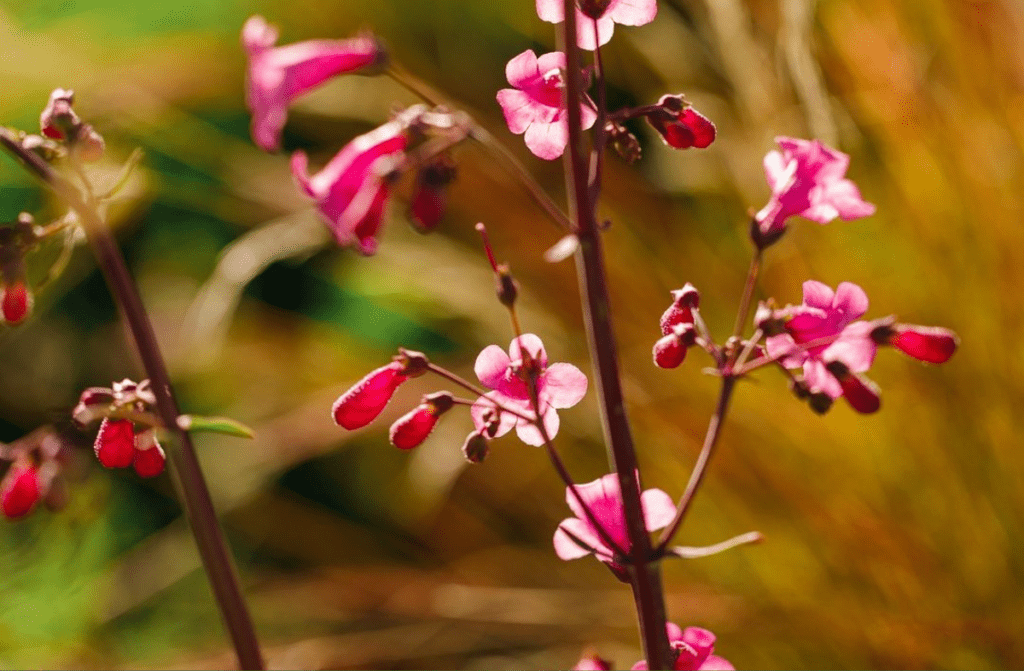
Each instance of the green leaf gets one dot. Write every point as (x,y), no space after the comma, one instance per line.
(223,425)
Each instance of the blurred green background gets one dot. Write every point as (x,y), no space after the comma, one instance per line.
(893,541)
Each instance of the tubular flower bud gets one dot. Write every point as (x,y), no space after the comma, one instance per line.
(670,350)
(931,344)
(19,490)
(680,125)
(684,301)
(115,443)
(16,303)
(413,428)
(364,402)
(861,393)
(149,456)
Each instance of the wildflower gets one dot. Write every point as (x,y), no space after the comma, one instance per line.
(115,443)
(278,75)
(596,19)
(560,385)
(149,458)
(825,315)
(353,188)
(366,399)
(931,344)
(806,179)
(680,125)
(577,536)
(535,107)
(118,444)
(692,648)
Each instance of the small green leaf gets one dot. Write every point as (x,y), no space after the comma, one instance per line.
(223,425)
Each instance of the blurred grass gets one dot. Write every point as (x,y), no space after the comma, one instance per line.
(892,539)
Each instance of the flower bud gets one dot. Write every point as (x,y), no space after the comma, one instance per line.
(58,120)
(681,311)
(19,491)
(364,402)
(680,125)
(413,428)
(476,448)
(670,350)
(149,456)
(16,303)
(508,288)
(861,393)
(413,364)
(115,443)
(430,196)
(931,344)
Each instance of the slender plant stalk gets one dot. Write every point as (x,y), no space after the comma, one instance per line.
(213,550)
(645,576)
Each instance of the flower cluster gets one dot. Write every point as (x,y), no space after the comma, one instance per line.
(119,444)
(823,337)
(515,379)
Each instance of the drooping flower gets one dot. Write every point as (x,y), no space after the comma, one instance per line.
(149,458)
(535,108)
(352,190)
(680,125)
(577,536)
(596,19)
(824,315)
(559,385)
(693,649)
(807,179)
(115,443)
(278,75)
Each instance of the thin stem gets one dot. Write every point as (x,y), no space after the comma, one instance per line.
(645,577)
(597,153)
(748,293)
(455,379)
(199,509)
(700,468)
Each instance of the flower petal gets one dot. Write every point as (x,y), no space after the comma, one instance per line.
(632,12)
(491,366)
(523,69)
(566,548)
(818,295)
(659,509)
(563,385)
(851,300)
(547,140)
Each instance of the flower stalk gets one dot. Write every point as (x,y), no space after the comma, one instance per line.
(213,550)
(645,577)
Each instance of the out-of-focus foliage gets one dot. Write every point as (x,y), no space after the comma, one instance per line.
(892,540)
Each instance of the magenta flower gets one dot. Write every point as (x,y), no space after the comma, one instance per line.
(352,190)
(577,536)
(560,385)
(825,314)
(807,179)
(535,106)
(278,75)
(931,344)
(600,17)
(693,647)
(412,428)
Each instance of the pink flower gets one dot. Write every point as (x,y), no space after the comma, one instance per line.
(577,536)
(600,17)
(353,188)
(278,75)
(535,106)
(807,179)
(693,647)
(680,125)
(560,385)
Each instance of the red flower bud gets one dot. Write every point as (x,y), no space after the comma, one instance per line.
(413,428)
(861,393)
(149,456)
(20,491)
(364,402)
(669,352)
(681,311)
(925,343)
(115,443)
(681,126)
(16,303)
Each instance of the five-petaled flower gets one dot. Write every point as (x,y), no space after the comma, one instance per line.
(278,75)
(577,536)
(535,105)
(352,190)
(807,179)
(827,316)
(595,25)
(559,385)
(693,648)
